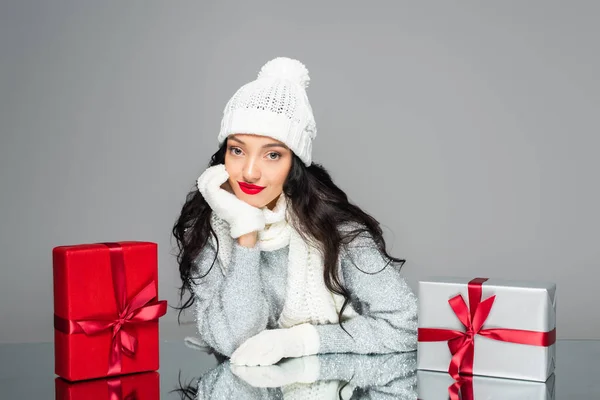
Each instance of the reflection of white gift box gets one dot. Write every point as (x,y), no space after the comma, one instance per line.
(434,386)
(516,339)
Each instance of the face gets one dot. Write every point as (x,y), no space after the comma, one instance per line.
(258,167)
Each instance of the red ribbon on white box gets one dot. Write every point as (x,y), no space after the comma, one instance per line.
(462,344)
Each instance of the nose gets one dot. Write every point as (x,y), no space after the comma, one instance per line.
(251,171)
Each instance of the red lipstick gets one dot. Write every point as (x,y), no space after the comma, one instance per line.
(248,188)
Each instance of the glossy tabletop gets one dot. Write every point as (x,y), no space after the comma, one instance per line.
(27,371)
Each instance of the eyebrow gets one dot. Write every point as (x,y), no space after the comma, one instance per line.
(266,146)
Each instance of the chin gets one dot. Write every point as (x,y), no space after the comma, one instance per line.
(253,200)
(257,204)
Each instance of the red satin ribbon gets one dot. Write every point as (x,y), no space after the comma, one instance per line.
(464,386)
(135,311)
(462,344)
(115,390)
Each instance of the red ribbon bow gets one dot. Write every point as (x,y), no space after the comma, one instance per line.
(462,344)
(135,311)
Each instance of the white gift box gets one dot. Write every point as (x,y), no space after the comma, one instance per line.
(434,386)
(518,305)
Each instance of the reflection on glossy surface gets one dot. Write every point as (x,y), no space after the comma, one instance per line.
(27,371)
(325,376)
(438,385)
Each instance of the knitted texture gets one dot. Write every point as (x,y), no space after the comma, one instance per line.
(245,290)
(275,105)
(307,297)
(319,390)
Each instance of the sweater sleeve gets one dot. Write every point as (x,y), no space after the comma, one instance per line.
(387,307)
(230,307)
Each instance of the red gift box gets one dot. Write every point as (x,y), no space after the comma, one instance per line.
(143,386)
(105,309)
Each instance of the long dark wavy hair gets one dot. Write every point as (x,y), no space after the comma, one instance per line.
(319,207)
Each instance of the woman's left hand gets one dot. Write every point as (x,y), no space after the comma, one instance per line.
(271,345)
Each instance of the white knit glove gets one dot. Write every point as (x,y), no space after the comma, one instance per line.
(272,345)
(241,216)
(292,370)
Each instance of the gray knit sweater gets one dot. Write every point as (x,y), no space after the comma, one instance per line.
(232,307)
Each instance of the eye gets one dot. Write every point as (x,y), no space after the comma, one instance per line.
(233,149)
(277,155)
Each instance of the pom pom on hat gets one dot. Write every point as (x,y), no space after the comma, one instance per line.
(286,68)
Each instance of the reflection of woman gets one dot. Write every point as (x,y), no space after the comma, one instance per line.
(323,376)
(277,261)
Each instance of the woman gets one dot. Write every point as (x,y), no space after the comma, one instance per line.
(277,261)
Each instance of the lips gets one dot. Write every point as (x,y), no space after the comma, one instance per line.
(249,188)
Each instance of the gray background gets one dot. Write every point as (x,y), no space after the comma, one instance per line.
(470,131)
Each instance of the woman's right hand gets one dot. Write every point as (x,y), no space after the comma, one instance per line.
(243,219)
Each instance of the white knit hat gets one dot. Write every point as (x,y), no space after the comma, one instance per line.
(274,105)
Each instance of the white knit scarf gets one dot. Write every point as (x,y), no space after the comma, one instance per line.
(307,298)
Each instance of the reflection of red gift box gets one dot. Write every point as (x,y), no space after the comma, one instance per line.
(105,309)
(143,386)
